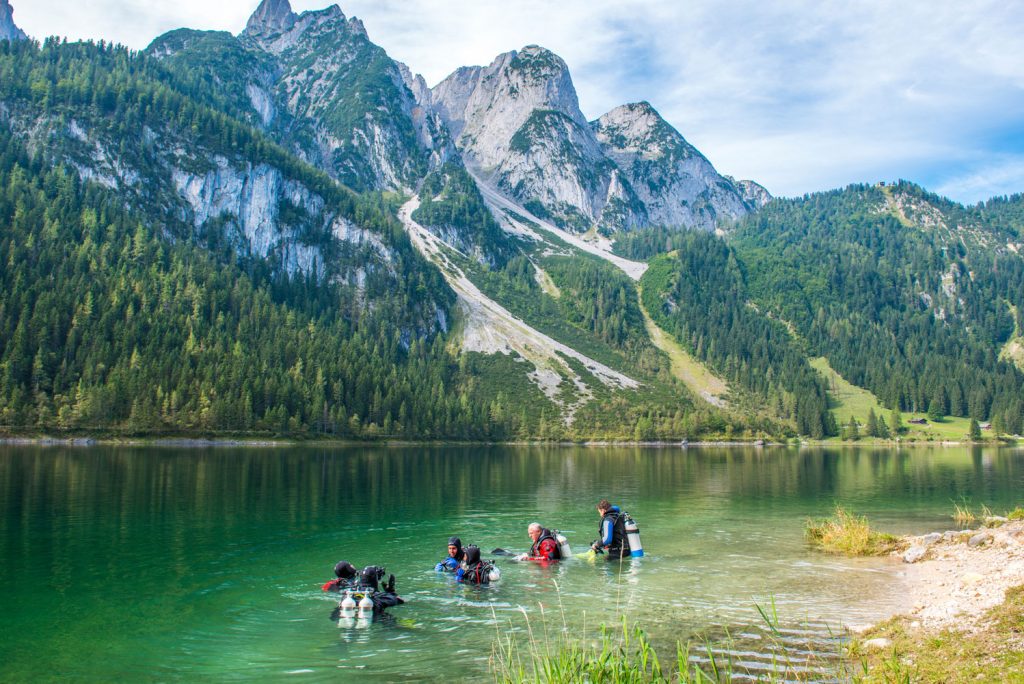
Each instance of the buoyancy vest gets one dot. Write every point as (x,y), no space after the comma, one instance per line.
(618,542)
(545,535)
(478,573)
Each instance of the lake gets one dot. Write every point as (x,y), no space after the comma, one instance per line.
(174,563)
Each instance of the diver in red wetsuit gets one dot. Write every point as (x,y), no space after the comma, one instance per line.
(545,545)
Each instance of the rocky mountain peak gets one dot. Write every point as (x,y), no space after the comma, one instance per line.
(272,16)
(8,30)
(638,128)
(487,105)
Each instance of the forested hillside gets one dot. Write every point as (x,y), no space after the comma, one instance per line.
(116,316)
(906,294)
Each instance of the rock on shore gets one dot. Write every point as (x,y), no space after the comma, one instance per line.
(955,577)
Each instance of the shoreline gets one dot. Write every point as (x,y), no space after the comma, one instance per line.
(954,577)
(963,611)
(209,442)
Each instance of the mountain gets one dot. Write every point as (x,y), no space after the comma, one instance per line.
(318,86)
(518,122)
(8,30)
(676,184)
(286,231)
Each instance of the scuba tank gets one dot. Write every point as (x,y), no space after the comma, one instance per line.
(365,606)
(494,574)
(348,605)
(636,549)
(563,545)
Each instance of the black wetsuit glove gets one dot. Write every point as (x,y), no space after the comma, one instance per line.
(390,586)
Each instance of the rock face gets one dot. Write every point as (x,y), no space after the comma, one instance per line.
(316,83)
(677,185)
(8,30)
(518,123)
(270,18)
(319,86)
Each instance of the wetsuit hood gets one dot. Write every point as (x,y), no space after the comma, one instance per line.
(370,576)
(344,570)
(457,543)
(472,554)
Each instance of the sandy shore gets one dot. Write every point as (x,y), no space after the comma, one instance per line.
(955,577)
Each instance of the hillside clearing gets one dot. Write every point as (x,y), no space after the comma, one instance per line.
(695,375)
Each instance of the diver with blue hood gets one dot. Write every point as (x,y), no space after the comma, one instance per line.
(619,536)
(456,555)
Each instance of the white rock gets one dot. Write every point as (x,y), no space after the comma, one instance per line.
(877,644)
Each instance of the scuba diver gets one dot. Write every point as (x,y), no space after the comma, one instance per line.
(619,535)
(456,555)
(473,570)
(546,546)
(367,596)
(345,573)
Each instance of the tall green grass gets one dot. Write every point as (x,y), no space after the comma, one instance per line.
(849,535)
(626,654)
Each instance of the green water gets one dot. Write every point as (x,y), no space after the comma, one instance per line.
(171,564)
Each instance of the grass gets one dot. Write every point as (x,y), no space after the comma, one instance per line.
(992,652)
(1013,350)
(849,400)
(695,375)
(849,535)
(626,655)
(963,515)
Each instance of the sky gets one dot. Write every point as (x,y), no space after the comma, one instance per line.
(798,96)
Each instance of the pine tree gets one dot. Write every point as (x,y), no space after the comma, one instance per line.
(873,424)
(883,429)
(896,419)
(935,411)
(975,434)
(852,430)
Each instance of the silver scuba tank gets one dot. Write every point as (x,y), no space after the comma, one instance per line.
(636,549)
(495,574)
(348,605)
(365,607)
(563,545)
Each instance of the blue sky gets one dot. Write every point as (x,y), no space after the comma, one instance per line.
(799,96)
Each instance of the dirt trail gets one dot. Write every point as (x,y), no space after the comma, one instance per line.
(490,328)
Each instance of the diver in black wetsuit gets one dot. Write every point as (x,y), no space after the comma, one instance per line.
(612,531)
(473,570)
(369,585)
(345,573)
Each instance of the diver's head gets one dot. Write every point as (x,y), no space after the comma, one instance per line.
(454,547)
(534,530)
(472,554)
(370,576)
(344,570)
(604,506)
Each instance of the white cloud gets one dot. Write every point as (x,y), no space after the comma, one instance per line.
(800,96)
